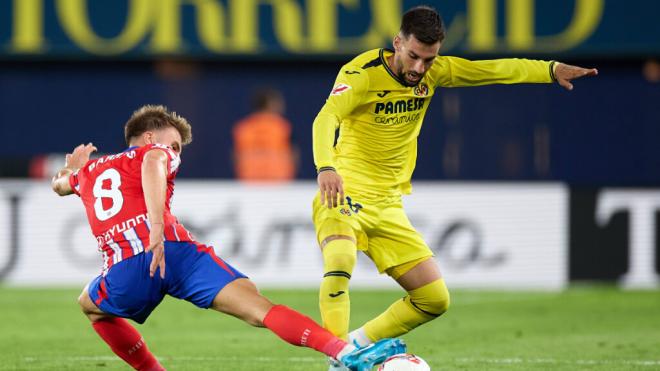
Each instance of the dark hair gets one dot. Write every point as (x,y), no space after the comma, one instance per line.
(148,118)
(264,96)
(424,23)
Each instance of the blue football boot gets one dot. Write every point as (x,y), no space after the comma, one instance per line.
(364,359)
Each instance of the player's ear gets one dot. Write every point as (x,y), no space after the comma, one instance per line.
(148,137)
(396,43)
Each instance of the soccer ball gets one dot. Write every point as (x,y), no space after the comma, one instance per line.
(404,362)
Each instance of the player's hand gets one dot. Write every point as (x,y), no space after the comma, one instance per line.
(564,73)
(157,247)
(80,155)
(331,186)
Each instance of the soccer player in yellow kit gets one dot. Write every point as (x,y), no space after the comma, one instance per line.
(378,104)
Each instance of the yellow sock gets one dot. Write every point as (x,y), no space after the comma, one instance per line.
(339,258)
(419,306)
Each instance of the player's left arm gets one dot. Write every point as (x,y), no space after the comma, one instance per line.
(73,162)
(154,186)
(455,72)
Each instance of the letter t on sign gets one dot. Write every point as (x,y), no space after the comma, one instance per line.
(642,205)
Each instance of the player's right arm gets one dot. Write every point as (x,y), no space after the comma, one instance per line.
(154,186)
(75,160)
(350,87)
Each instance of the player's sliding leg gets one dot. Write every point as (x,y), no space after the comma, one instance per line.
(427,299)
(338,246)
(124,340)
(241,299)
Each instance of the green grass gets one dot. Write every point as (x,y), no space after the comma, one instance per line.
(591,328)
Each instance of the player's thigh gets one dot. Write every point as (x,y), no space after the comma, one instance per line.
(337,223)
(415,274)
(395,241)
(240,298)
(196,273)
(126,290)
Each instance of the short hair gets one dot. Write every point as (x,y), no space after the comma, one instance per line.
(425,23)
(152,117)
(264,96)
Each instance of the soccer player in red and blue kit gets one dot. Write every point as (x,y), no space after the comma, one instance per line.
(147,253)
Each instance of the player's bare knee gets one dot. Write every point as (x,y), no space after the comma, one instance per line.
(88,308)
(83,301)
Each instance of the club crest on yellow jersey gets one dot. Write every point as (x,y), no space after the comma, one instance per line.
(345,211)
(421,90)
(353,207)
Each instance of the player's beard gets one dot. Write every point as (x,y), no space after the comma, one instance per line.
(401,74)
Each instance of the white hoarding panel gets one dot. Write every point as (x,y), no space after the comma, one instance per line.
(6,227)
(484,234)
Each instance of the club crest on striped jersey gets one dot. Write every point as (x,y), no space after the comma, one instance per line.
(340,89)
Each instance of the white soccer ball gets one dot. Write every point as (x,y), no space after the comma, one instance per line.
(404,362)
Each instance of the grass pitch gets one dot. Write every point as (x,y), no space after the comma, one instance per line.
(598,328)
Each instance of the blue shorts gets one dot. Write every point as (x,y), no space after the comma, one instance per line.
(192,272)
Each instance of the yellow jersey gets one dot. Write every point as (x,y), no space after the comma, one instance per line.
(379,117)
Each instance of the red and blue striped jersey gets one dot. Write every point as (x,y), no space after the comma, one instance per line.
(111,190)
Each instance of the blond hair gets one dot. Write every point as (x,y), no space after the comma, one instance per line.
(156,117)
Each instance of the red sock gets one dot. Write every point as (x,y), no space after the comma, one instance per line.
(301,330)
(127,343)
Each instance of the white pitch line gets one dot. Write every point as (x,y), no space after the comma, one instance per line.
(177,359)
(501,361)
(629,362)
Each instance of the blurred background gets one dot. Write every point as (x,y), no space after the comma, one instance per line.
(515,186)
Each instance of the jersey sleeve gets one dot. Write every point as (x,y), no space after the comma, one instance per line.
(74,182)
(456,72)
(350,87)
(173,159)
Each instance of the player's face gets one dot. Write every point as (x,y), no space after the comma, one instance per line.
(168,136)
(412,58)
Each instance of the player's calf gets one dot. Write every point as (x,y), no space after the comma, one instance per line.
(127,343)
(339,258)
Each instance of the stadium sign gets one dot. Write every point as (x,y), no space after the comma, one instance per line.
(614,236)
(483,235)
(294,28)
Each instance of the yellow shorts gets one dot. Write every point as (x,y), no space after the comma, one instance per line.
(381,227)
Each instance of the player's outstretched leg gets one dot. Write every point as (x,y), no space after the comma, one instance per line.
(124,340)
(241,299)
